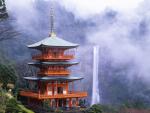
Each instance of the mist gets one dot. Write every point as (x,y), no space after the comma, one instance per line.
(120,28)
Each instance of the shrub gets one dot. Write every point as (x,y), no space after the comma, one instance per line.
(15,107)
(46,106)
(4,99)
(94,109)
(58,111)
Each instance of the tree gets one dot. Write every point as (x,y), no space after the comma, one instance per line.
(23,69)
(13,106)
(4,100)
(3,11)
(94,109)
(6,30)
(7,75)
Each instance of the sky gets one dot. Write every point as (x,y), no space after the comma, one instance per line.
(86,8)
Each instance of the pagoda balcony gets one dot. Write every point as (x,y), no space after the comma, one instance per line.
(51,57)
(33,94)
(64,72)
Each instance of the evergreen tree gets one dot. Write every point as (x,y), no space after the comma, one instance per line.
(3,11)
(7,75)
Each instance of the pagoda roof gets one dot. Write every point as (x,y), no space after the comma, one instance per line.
(47,78)
(53,63)
(53,41)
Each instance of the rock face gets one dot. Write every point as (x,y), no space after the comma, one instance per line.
(3,12)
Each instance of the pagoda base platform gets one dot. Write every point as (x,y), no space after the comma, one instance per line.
(55,101)
(39,96)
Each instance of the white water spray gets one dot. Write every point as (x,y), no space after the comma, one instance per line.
(95,90)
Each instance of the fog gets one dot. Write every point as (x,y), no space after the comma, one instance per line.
(120,28)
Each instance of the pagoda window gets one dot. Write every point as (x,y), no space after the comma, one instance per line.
(60,90)
(55,54)
(43,88)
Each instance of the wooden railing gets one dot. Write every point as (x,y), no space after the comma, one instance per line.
(44,96)
(29,93)
(51,57)
(64,72)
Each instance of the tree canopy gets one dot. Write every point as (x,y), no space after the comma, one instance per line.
(7,75)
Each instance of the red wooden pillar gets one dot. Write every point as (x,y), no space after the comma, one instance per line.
(50,102)
(28,100)
(64,102)
(39,87)
(56,88)
(56,103)
(46,88)
(70,102)
(77,102)
(72,87)
(53,88)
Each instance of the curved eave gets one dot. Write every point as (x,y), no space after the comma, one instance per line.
(52,63)
(69,79)
(45,46)
(53,42)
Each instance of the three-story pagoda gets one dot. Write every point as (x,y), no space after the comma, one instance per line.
(53,79)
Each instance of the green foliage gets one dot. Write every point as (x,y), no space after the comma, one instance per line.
(13,106)
(7,75)
(94,109)
(4,99)
(46,106)
(9,104)
(137,104)
(58,111)
(110,109)
(24,109)
(82,103)
(2,1)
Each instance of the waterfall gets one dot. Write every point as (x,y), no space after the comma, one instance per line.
(95,90)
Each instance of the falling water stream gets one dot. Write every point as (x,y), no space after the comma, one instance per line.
(95,90)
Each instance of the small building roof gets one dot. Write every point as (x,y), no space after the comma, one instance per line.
(52,63)
(53,41)
(47,78)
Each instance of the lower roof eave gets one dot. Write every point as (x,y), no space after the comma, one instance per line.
(52,63)
(69,79)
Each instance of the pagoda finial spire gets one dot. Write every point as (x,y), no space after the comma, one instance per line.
(52,29)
